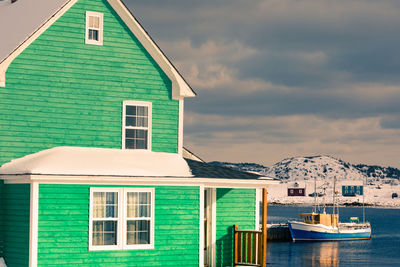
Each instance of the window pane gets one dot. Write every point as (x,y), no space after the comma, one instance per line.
(136,139)
(141,111)
(104,233)
(91,21)
(130,133)
(130,121)
(105,204)
(96,22)
(129,144)
(139,204)
(93,35)
(141,122)
(130,110)
(138,232)
(140,144)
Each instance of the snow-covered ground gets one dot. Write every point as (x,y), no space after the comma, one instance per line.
(375,195)
(381,181)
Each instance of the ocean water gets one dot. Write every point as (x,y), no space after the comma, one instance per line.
(382,250)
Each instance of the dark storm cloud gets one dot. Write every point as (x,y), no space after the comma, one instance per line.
(358,37)
(298,101)
(391,122)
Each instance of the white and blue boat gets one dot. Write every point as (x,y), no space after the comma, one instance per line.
(326,227)
(321,226)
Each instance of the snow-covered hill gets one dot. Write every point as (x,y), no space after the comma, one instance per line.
(380,182)
(309,168)
(320,167)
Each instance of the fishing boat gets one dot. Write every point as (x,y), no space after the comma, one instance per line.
(322,226)
(326,227)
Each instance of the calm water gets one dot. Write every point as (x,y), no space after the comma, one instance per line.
(382,250)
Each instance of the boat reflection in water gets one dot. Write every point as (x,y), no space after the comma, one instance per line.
(323,254)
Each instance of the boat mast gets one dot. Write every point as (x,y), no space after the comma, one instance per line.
(334,194)
(363,189)
(315,195)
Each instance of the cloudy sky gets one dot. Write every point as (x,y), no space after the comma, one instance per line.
(283,78)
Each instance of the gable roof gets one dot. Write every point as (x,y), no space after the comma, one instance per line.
(25,20)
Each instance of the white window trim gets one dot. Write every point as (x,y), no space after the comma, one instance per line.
(100,16)
(122,211)
(149,123)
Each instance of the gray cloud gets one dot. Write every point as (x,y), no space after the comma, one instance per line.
(324,103)
(332,60)
(390,122)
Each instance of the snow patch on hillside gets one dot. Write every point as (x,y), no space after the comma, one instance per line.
(319,167)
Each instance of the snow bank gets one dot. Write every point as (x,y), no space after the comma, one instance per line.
(99,161)
(2,263)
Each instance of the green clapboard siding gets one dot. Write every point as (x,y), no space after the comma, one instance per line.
(16,199)
(61,92)
(63,238)
(234,206)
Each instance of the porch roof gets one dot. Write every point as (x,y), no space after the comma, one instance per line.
(89,161)
(120,166)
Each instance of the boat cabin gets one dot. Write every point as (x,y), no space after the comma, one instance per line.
(320,218)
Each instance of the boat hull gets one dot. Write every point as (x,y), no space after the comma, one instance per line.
(317,232)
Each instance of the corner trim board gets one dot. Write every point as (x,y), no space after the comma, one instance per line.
(34,219)
(201,226)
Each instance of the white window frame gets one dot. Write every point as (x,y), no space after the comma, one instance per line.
(122,218)
(149,123)
(100,16)
(125,230)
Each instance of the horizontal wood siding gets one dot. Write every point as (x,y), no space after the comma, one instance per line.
(16,201)
(234,207)
(64,229)
(63,92)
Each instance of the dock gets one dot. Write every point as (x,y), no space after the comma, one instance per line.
(278,232)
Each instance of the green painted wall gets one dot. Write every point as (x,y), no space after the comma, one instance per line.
(62,92)
(234,206)
(16,227)
(64,235)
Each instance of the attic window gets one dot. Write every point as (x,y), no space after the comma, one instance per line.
(94,28)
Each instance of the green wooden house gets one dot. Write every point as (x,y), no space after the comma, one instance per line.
(91,145)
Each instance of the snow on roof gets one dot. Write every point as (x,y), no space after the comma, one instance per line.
(99,161)
(2,263)
(21,19)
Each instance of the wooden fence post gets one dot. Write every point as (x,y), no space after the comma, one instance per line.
(235,243)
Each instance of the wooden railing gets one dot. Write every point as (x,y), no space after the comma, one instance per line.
(250,247)
(247,247)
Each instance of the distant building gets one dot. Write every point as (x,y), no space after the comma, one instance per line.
(296,190)
(352,190)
